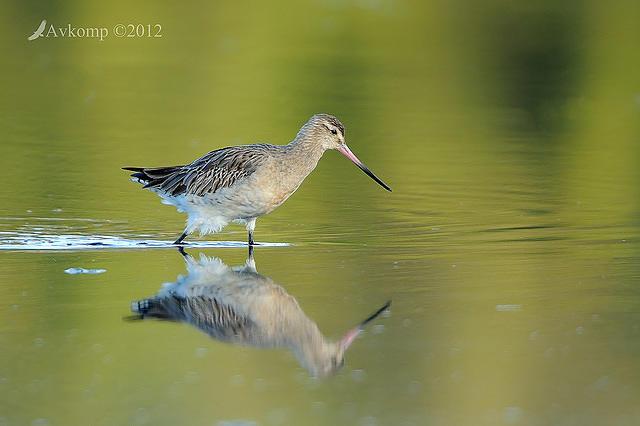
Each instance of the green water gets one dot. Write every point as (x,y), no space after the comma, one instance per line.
(510,245)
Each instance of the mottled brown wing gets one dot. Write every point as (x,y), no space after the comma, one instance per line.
(218,169)
(206,313)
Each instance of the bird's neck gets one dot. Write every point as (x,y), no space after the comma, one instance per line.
(305,153)
(308,343)
(306,145)
(283,323)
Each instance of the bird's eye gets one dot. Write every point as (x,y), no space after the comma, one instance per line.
(334,131)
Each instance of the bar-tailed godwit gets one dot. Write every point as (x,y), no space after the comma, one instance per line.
(239,306)
(242,183)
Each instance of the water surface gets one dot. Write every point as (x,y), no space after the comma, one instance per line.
(510,245)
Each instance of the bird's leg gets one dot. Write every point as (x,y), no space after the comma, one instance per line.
(182,252)
(182,237)
(251,263)
(251,225)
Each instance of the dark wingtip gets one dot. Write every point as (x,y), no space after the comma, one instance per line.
(139,173)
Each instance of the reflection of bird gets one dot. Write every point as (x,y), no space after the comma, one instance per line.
(237,305)
(39,31)
(242,183)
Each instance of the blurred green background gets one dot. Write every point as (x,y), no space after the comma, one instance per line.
(510,246)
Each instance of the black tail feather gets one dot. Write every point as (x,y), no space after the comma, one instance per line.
(153,176)
(151,308)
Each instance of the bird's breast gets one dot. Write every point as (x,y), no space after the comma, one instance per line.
(283,177)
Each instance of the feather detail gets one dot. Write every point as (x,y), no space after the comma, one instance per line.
(208,314)
(218,169)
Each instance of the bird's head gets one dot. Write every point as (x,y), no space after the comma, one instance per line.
(324,130)
(328,132)
(322,358)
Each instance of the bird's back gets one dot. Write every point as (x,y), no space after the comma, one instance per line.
(215,170)
(230,304)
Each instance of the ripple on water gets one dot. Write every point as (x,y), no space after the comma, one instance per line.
(55,233)
(38,241)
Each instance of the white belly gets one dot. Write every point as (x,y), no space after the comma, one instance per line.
(212,212)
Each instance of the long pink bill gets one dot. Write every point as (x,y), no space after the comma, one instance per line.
(351,335)
(344,150)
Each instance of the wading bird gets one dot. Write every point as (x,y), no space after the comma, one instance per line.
(239,306)
(242,183)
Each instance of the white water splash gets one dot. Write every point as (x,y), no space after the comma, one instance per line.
(74,271)
(508,307)
(41,241)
